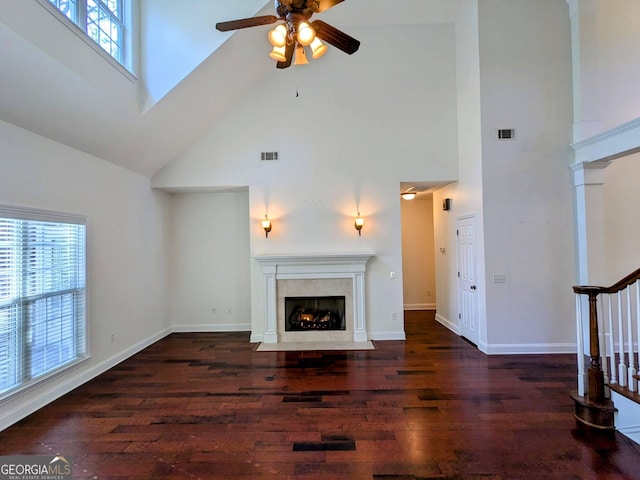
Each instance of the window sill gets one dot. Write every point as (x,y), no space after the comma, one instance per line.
(78,32)
(42,380)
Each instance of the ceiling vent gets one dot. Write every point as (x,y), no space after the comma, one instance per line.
(269,156)
(506,134)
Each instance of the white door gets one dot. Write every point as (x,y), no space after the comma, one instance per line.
(467,278)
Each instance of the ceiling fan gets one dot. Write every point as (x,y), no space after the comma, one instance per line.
(296,32)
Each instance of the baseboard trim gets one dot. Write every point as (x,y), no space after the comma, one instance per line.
(28,404)
(381,336)
(200,328)
(420,306)
(445,321)
(528,348)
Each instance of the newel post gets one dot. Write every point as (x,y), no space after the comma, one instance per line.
(593,410)
(595,374)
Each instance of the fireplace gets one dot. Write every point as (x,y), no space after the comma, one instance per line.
(318,276)
(314,313)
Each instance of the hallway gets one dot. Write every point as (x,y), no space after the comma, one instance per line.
(207,406)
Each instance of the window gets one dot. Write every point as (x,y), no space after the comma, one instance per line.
(42,296)
(102,20)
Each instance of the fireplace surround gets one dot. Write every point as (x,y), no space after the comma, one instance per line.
(314,275)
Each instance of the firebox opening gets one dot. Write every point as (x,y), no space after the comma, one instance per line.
(314,313)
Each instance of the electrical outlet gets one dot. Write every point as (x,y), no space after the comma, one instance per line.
(428,293)
(213,310)
(393,315)
(229,310)
(113,337)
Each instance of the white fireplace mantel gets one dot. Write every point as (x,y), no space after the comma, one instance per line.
(314,266)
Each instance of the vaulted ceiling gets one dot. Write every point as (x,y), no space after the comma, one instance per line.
(54,84)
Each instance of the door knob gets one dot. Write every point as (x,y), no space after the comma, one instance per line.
(473,287)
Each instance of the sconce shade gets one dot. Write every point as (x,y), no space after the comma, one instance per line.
(266,225)
(301,56)
(278,36)
(278,54)
(359,223)
(408,195)
(306,34)
(318,48)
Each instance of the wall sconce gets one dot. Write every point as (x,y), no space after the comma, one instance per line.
(359,223)
(266,224)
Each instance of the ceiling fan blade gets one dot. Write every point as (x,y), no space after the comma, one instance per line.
(246,23)
(335,37)
(327,4)
(288,53)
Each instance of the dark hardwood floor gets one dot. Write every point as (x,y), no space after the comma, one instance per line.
(207,406)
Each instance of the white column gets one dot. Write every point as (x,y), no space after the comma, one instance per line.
(584,53)
(589,181)
(359,327)
(271,327)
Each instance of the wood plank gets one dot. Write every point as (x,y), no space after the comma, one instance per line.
(208,406)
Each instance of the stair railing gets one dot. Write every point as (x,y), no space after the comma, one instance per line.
(613,337)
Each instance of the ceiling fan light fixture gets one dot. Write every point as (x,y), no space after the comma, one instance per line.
(306,34)
(318,48)
(408,195)
(278,54)
(301,56)
(278,36)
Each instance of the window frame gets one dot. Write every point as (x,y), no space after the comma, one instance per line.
(79,27)
(82,349)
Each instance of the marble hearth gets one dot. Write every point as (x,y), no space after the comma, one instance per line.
(314,275)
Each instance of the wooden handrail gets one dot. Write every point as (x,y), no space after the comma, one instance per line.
(616,287)
(596,410)
(595,375)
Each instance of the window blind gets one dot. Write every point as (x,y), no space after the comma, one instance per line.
(42,295)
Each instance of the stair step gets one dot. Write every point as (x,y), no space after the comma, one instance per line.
(595,415)
(624,391)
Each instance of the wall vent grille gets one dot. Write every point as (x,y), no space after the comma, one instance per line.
(506,134)
(269,156)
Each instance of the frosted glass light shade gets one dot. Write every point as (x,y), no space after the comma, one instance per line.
(306,34)
(278,36)
(301,56)
(318,48)
(278,54)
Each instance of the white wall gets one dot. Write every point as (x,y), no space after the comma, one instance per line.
(358,126)
(175,39)
(466,194)
(622,227)
(210,262)
(418,263)
(127,248)
(618,44)
(525,63)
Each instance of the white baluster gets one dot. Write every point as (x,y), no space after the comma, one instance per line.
(637,328)
(582,378)
(622,367)
(632,362)
(612,350)
(602,342)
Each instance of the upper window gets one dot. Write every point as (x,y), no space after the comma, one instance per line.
(42,296)
(104,21)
